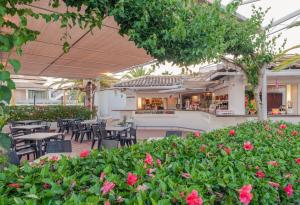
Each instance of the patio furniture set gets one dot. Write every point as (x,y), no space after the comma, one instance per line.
(34,137)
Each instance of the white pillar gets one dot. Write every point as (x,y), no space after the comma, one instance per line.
(264,93)
(236,95)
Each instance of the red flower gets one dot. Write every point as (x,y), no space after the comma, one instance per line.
(245,194)
(289,190)
(194,199)
(46,186)
(131,179)
(107,187)
(149,159)
(248,146)
(297,160)
(158,162)
(197,134)
(282,126)
(273,163)
(107,202)
(186,175)
(84,153)
(231,132)
(274,184)
(202,148)
(227,150)
(294,133)
(14,185)
(260,174)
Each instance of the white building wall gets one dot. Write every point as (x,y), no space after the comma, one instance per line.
(236,95)
(109,102)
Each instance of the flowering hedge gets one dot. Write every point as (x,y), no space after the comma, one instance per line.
(252,163)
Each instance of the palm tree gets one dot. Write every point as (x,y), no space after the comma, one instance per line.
(287,60)
(107,81)
(138,72)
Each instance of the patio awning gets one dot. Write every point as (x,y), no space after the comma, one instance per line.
(104,51)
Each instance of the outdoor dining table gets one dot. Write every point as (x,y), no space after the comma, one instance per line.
(39,137)
(116,129)
(89,122)
(28,122)
(30,128)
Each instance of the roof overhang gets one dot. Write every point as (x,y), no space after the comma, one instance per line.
(91,54)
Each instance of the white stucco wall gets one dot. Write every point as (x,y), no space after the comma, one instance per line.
(109,100)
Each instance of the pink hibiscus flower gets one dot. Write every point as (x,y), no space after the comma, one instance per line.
(107,187)
(231,132)
(289,190)
(248,146)
(297,160)
(158,162)
(131,179)
(245,194)
(273,163)
(274,184)
(260,174)
(227,150)
(197,134)
(282,126)
(107,202)
(149,159)
(186,175)
(194,199)
(294,133)
(84,153)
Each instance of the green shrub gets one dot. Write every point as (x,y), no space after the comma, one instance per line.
(204,164)
(48,113)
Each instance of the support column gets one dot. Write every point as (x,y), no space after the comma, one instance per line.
(264,95)
(236,95)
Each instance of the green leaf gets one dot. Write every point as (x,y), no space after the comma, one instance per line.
(4,75)
(16,65)
(10,84)
(66,47)
(5,93)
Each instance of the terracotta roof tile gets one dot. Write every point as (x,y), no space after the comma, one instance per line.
(152,81)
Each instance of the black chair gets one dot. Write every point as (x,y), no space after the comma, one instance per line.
(13,157)
(23,148)
(96,134)
(62,125)
(58,146)
(132,136)
(172,132)
(74,129)
(84,131)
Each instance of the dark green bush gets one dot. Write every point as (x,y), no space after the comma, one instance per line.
(200,163)
(48,113)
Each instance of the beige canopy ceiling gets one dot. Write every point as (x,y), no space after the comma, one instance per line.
(91,54)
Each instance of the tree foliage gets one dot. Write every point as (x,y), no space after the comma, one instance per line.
(184,32)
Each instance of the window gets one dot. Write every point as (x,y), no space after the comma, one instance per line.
(39,94)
